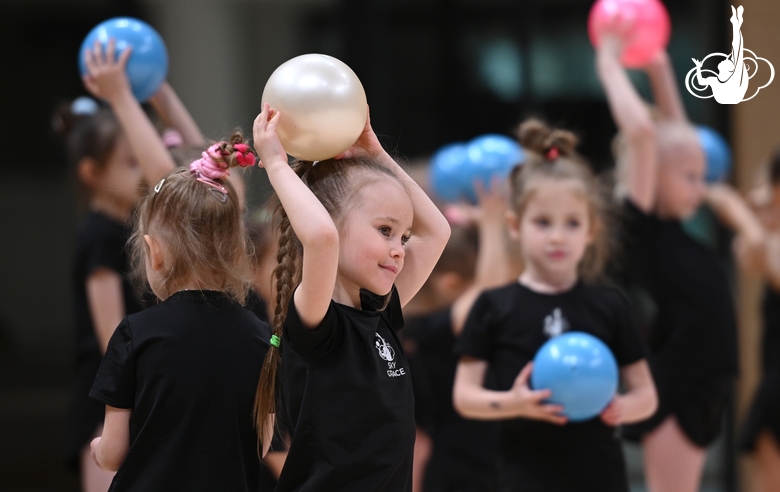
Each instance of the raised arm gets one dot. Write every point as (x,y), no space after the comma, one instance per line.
(494,263)
(735,213)
(430,230)
(174,114)
(107,80)
(633,120)
(308,218)
(665,90)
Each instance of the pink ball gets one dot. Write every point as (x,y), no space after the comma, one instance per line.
(648,35)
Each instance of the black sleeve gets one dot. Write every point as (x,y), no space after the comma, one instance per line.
(316,343)
(628,346)
(115,381)
(476,340)
(105,251)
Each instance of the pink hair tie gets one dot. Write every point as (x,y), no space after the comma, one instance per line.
(244,156)
(551,154)
(207,169)
(172,138)
(208,166)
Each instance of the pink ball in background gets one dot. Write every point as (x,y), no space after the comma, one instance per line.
(649,32)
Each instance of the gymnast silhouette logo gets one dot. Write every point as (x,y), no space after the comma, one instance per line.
(386,351)
(555,323)
(735,70)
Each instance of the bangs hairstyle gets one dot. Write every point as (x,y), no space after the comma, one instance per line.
(538,138)
(204,240)
(340,186)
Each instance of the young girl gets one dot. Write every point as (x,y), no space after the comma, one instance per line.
(761,432)
(178,379)
(464,451)
(557,215)
(692,335)
(348,262)
(114,152)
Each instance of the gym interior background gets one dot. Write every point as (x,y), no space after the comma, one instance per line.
(435,72)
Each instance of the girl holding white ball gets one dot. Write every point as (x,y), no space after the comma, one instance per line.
(358,238)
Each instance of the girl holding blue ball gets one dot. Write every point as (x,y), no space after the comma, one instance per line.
(558,215)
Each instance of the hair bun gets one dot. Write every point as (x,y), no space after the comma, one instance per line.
(537,136)
(68,116)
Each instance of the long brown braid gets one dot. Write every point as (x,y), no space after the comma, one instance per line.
(337,185)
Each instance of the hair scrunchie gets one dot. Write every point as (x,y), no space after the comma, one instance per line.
(208,166)
(244,156)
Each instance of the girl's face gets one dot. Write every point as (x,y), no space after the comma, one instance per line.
(372,237)
(681,169)
(554,230)
(120,179)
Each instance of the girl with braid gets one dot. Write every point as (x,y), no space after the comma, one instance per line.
(178,379)
(358,238)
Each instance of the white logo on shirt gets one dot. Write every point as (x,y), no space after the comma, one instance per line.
(555,323)
(386,351)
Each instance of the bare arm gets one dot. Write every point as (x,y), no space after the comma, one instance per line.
(110,449)
(106,304)
(174,114)
(107,80)
(494,265)
(640,399)
(634,122)
(473,401)
(735,213)
(430,230)
(308,218)
(665,90)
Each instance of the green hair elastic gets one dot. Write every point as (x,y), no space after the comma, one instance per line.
(275,341)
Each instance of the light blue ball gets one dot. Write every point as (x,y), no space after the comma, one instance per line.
(716,153)
(489,156)
(147,67)
(446,166)
(581,372)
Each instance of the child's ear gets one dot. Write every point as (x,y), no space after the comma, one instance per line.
(156,257)
(512,224)
(87,171)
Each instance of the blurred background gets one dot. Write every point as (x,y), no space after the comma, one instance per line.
(435,71)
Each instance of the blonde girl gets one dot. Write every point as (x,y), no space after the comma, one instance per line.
(558,216)
(358,238)
(178,379)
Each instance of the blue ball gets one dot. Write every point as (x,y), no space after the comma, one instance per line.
(489,156)
(147,67)
(581,372)
(446,165)
(716,153)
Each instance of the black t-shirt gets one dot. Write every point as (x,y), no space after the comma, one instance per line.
(771,337)
(460,444)
(693,330)
(506,327)
(349,399)
(188,368)
(100,243)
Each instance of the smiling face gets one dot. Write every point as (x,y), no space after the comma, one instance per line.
(372,235)
(554,230)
